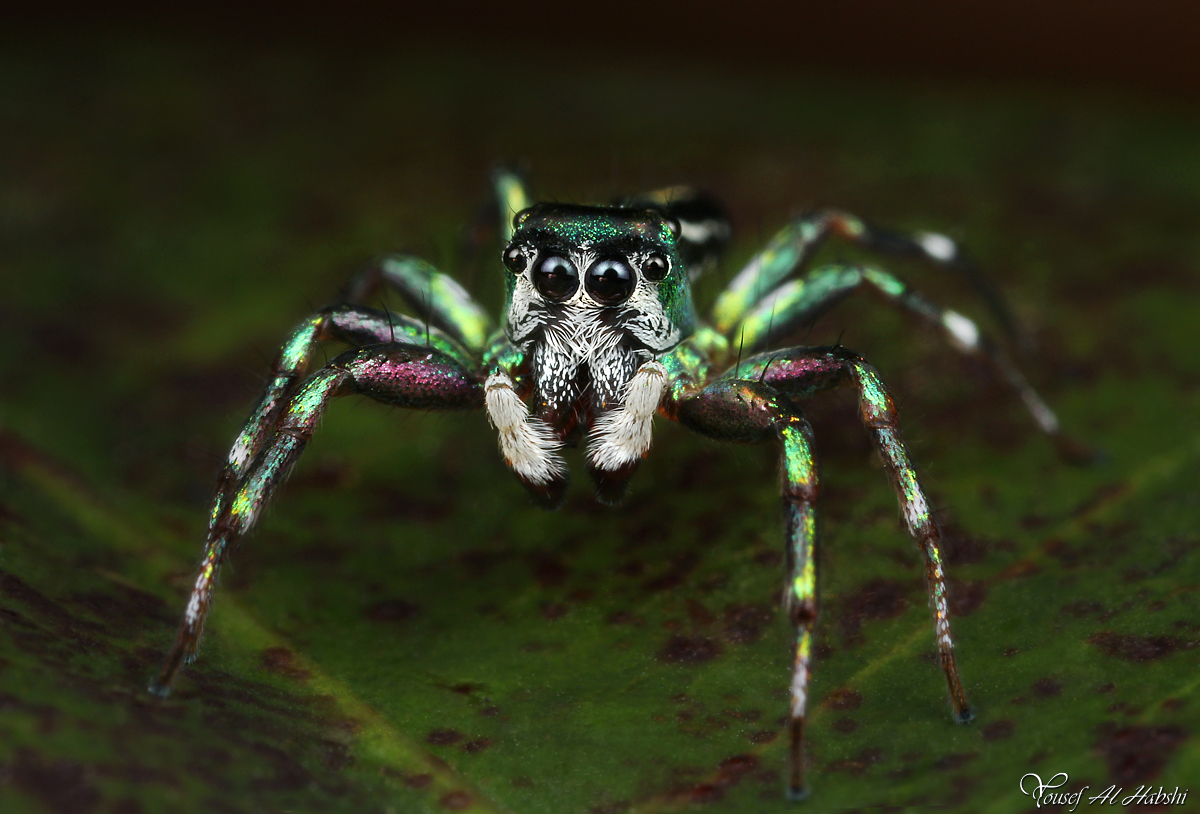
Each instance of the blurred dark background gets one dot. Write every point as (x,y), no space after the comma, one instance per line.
(1142,47)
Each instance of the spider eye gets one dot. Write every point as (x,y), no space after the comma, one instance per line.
(514,260)
(556,278)
(610,281)
(656,267)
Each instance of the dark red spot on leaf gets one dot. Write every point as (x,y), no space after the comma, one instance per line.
(843,699)
(858,764)
(1131,647)
(624,618)
(1136,754)
(877,599)
(443,737)
(845,725)
(998,730)
(1082,608)
(281,661)
(951,762)
(455,801)
(61,785)
(732,769)
(1046,687)
(615,807)
(550,572)
(674,575)
(1104,494)
(689,650)
(965,596)
(959,548)
(698,614)
(744,623)
(392,610)
(701,793)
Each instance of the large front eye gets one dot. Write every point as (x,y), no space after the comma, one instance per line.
(610,281)
(556,278)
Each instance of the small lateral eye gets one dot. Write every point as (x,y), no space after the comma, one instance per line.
(555,278)
(514,260)
(655,267)
(610,281)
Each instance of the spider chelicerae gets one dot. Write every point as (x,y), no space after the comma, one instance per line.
(598,335)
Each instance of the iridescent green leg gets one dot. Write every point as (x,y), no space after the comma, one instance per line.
(797,302)
(800,595)
(703,224)
(436,297)
(511,197)
(740,410)
(795,244)
(350,324)
(879,414)
(412,376)
(800,372)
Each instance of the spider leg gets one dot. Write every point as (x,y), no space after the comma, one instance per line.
(741,410)
(438,297)
(757,401)
(512,196)
(435,297)
(800,372)
(791,248)
(404,375)
(797,302)
(703,223)
(353,325)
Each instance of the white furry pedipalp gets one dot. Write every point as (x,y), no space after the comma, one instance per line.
(528,443)
(622,436)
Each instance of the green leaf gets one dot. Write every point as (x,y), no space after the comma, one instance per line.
(405,632)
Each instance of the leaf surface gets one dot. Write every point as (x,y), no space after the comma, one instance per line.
(405,632)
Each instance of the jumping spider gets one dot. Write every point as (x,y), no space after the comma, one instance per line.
(598,335)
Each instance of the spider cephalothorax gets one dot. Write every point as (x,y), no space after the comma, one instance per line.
(592,295)
(598,336)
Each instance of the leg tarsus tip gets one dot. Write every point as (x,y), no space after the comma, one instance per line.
(796,794)
(964,717)
(1077,453)
(159,690)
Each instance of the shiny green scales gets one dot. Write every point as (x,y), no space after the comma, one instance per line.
(597,337)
